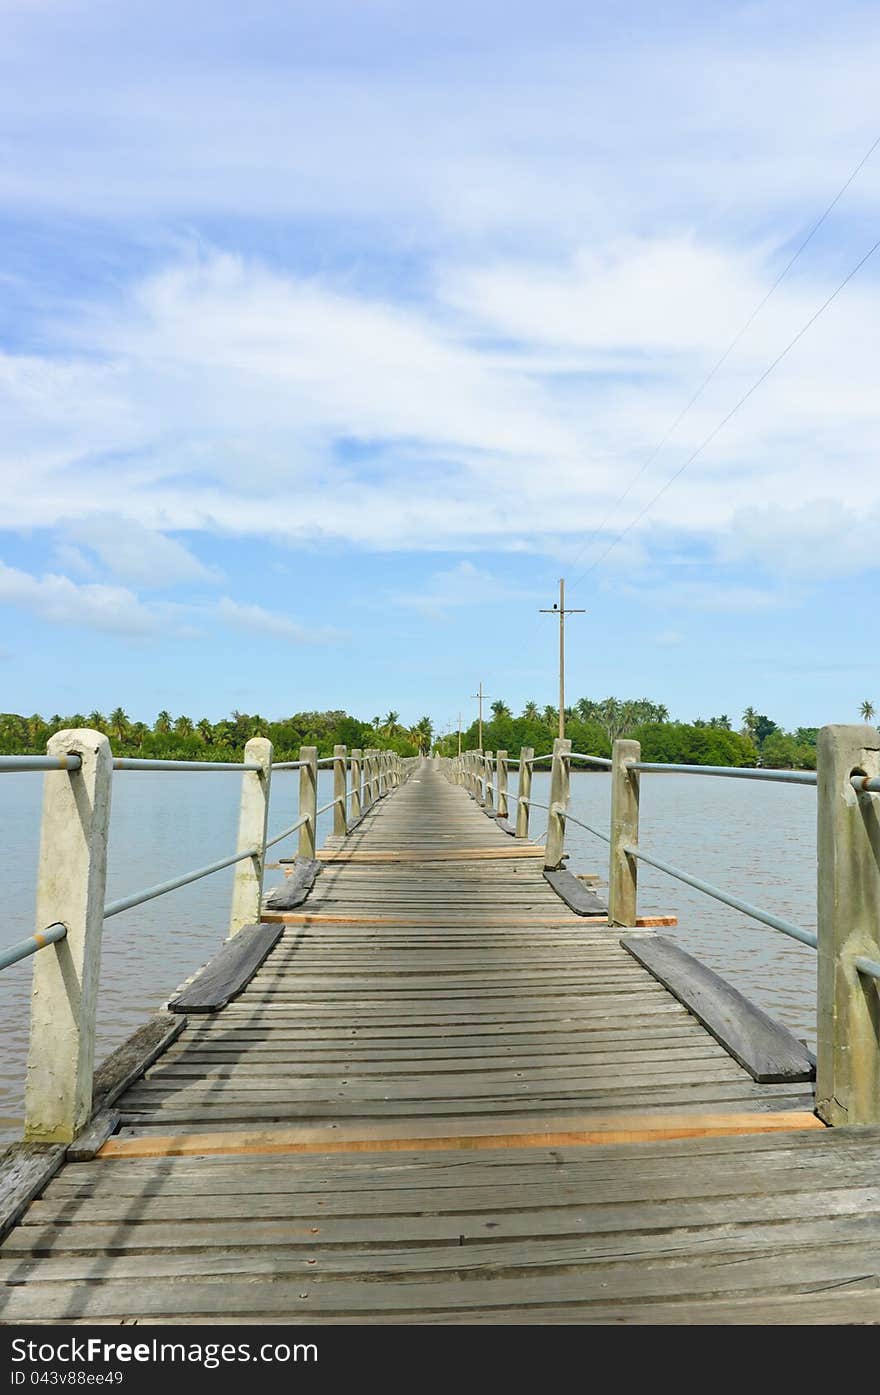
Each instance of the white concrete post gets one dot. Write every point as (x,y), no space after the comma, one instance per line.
(501,783)
(490,795)
(247,887)
(71,884)
(356,759)
(555,846)
(623,869)
(848,1058)
(308,800)
(524,789)
(340,790)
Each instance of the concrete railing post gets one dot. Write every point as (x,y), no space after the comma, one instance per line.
(848,1058)
(71,883)
(524,791)
(555,846)
(490,793)
(623,869)
(501,784)
(247,886)
(308,800)
(340,790)
(356,759)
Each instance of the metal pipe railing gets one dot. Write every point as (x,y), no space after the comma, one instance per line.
(135,763)
(126,903)
(286,832)
(733,772)
(24,948)
(10,763)
(806,937)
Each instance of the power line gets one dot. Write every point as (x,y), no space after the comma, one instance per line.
(724,357)
(734,409)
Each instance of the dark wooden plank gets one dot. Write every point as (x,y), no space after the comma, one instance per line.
(768,1051)
(134,1056)
(94,1136)
(229,971)
(25,1169)
(297,886)
(576,896)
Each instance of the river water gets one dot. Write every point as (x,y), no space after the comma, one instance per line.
(757,840)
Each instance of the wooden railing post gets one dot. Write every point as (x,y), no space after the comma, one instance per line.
(623,869)
(490,794)
(501,784)
(356,759)
(340,790)
(247,887)
(848,1057)
(308,800)
(555,846)
(71,883)
(524,791)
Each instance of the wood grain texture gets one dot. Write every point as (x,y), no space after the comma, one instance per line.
(445,1097)
(768,1051)
(228,972)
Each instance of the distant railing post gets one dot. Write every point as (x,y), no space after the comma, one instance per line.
(490,795)
(247,887)
(555,846)
(501,784)
(524,791)
(356,758)
(308,800)
(623,869)
(848,1058)
(71,883)
(340,790)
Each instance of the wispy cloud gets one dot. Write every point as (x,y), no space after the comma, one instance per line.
(462,585)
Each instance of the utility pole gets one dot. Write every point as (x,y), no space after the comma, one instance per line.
(560,610)
(459,733)
(480,695)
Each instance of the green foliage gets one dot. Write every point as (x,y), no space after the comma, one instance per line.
(183,739)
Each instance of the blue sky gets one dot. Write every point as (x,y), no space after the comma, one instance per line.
(331,333)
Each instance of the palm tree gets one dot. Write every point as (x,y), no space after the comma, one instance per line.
(96,720)
(499,709)
(867,710)
(750,722)
(205,730)
(531,712)
(390,723)
(183,726)
(119,723)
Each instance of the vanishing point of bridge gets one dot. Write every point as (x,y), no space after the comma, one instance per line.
(432,1077)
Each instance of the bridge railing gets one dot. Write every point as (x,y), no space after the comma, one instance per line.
(847,939)
(71,905)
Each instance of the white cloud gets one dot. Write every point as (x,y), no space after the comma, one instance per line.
(461,585)
(132,552)
(256,619)
(60,601)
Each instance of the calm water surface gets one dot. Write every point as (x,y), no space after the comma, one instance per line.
(756,840)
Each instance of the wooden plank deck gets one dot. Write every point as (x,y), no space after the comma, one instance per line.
(413,1113)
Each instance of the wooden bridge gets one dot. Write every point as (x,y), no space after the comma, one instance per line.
(430,1084)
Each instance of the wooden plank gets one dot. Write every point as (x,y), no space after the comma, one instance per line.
(229,971)
(430,854)
(93,1136)
(25,1169)
(134,1056)
(767,1050)
(636,1128)
(297,885)
(576,896)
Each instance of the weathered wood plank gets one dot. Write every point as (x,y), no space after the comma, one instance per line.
(134,1056)
(229,971)
(297,886)
(766,1049)
(25,1169)
(576,896)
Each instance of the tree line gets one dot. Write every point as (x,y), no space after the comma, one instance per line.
(594,725)
(183,738)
